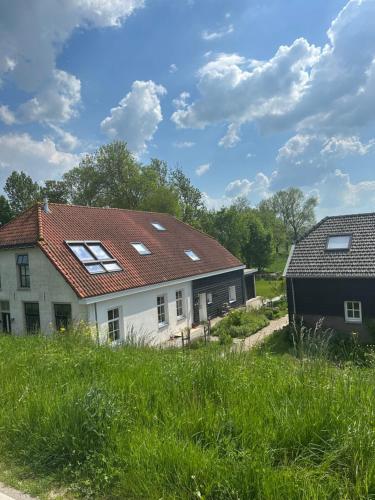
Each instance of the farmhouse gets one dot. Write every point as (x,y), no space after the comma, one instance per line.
(123,271)
(330,274)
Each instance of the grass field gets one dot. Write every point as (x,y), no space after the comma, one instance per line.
(278,263)
(141,423)
(269,288)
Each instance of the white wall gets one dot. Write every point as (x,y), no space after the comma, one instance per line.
(47,287)
(138,313)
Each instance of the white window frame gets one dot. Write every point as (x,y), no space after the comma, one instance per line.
(113,320)
(232,294)
(94,260)
(180,304)
(140,248)
(348,306)
(209,298)
(164,305)
(192,255)
(333,237)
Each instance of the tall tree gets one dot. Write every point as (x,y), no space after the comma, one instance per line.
(55,191)
(21,190)
(296,210)
(274,224)
(5,211)
(257,247)
(190,197)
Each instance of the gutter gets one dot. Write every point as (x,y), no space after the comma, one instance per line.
(132,291)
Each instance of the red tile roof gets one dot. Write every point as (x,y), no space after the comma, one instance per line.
(116,229)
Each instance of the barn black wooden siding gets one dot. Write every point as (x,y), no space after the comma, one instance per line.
(326,296)
(219,287)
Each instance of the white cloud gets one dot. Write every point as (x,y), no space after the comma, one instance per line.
(33,33)
(202,169)
(183,144)
(301,87)
(66,140)
(231,138)
(173,68)
(180,102)
(137,116)
(40,159)
(56,101)
(215,35)
(6,115)
(239,187)
(342,146)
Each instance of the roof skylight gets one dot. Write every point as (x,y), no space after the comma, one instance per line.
(192,255)
(158,226)
(94,256)
(141,248)
(341,242)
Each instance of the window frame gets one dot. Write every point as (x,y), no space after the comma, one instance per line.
(146,250)
(112,321)
(158,226)
(70,319)
(180,304)
(353,319)
(230,289)
(164,323)
(342,249)
(34,330)
(192,255)
(23,272)
(100,262)
(209,302)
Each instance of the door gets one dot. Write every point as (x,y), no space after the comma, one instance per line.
(32,318)
(5,322)
(202,307)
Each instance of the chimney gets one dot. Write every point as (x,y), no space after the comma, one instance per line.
(45,206)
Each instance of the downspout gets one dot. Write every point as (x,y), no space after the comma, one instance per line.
(293,297)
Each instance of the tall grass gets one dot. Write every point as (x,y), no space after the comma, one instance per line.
(143,423)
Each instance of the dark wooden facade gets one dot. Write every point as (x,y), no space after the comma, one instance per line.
(219,287)
(315,298)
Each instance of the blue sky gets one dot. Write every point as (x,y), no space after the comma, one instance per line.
(248,97)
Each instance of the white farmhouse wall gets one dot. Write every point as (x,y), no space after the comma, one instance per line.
(47,287)
(138,313)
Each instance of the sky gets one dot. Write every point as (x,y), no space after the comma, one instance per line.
(248,97)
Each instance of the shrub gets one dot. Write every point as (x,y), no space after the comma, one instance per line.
(241,323)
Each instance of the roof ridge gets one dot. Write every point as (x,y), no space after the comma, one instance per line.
(360,214)
(40,222)
(110,208)
(309,231)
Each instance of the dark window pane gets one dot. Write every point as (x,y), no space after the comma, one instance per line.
(63,315)
(32,318)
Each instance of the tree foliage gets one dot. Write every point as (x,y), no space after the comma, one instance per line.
(22,191)
(5,211)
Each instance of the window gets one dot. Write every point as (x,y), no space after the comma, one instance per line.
(94,257)
(232,294)
(32,318)
(63,316)
(158,226)
(209,298)
(23,271)
(162,315)
(141,248)
(114,324)
(192,255)
(353,311)
(179,304)
(342,242)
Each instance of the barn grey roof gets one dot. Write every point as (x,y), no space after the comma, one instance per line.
(310,259)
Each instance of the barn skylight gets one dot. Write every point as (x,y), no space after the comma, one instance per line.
(158,226)
(192,255)
(141,248)
(341,242)
(94,256)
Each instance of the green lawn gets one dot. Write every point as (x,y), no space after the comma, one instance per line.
(269,288)
(278,263)
(141,423)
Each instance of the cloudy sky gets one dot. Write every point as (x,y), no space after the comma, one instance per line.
(248,97)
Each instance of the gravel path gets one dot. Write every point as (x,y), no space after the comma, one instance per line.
(258,337)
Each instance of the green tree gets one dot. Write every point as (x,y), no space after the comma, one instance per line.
(55,191)
(190,197)
(257,248)
(22,191)
(296,210)
(5,211)
(162,199)
(270,221)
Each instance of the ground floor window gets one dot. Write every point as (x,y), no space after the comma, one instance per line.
(353,311)
(209,298)
(162,313)
(63,316)
(179,304)
(32,318)
(232,294)
(114,324)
